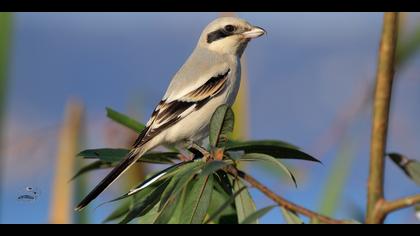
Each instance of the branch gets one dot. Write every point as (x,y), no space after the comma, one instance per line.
(388,207)
(382,99)
(280,200)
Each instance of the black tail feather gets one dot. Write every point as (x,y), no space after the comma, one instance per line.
(110,178)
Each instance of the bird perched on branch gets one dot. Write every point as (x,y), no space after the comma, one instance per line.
(209,78)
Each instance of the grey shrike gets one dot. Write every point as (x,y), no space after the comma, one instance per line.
(209,78)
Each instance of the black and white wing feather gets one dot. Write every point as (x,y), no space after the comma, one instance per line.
(168,112)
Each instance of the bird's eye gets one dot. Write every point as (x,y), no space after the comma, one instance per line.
(230,28)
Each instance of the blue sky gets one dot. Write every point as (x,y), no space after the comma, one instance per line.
(302,75)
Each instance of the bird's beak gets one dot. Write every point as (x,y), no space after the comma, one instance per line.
(255,32)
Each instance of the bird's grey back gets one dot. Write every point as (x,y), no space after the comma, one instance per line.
(198,63)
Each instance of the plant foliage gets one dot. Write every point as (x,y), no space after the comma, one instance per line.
(197,191)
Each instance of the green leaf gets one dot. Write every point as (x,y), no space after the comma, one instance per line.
(290,217)
(215,214)
(269,159)
(277,149)
(336,181)
(179,209)
(154,180)
(417,211)
(150,216)
(124,120)
(105,154)
(170,202)
(245,206)
(264,142)
(92,166)
(257,214)
(406,49)
(180,181)
(221,126)
(410,167)
(165,214)
(198,200)
(119,212)
(413,168)
(146,204)
(117,154)
(159,157)
(233,155)
(212,167)
(218,198)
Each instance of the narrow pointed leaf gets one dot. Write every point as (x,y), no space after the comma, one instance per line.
(145,205)
(105,154)
(221,126)
(290,217)
(277,149)
(410,167)
(150,216)
(198,200)
(337,179)
(269,159)
(233,155)
(245,206)
(117,154)
(257,215)
(160,157)
(408,48)
(218,199)
(124,120)
(413,168)
(155,179)
(92,166)
(119,212)
(225,205)
(178,212)
(165,214)
(265,142)
(180,181)
(212,166)
(168,206)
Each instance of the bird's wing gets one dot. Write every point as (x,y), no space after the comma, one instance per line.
(170,110)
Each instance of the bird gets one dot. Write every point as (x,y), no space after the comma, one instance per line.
(209,78)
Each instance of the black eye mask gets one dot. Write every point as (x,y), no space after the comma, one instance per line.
(218,34)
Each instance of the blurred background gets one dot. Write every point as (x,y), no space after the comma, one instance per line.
(308,82)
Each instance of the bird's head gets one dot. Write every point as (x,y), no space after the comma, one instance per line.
(229,35)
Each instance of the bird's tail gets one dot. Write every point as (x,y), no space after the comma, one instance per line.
(129,160)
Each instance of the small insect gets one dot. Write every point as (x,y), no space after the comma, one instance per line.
(30,195)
